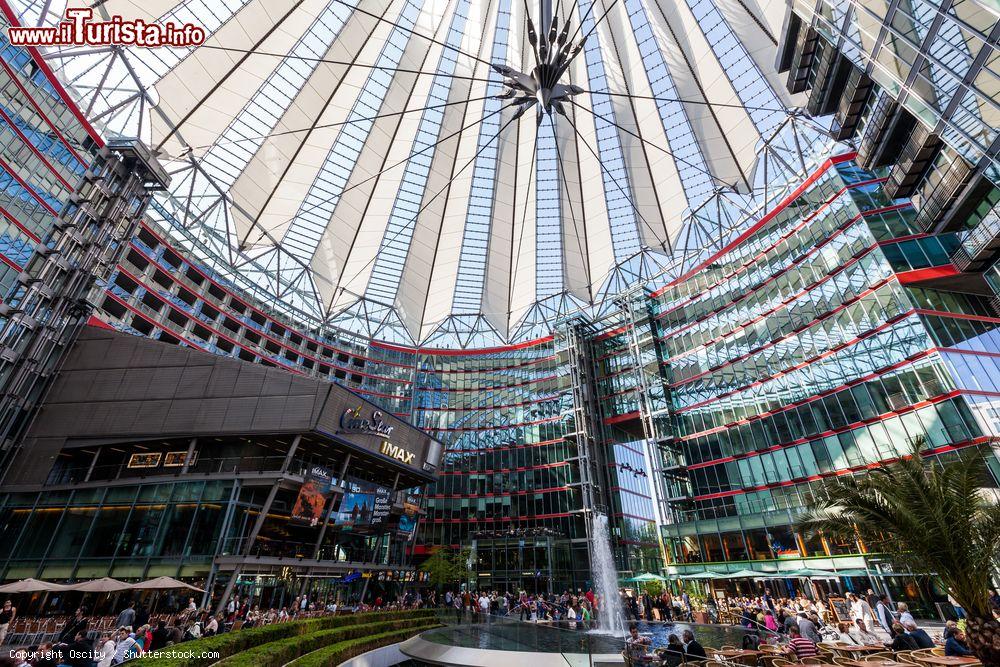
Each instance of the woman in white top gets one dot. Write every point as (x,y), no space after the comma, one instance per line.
(105,650)
(860,609)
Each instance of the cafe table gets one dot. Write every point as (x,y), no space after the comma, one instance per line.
(856,650)
(742,656)
(946,660)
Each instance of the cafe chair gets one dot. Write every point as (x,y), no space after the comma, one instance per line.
(815,660)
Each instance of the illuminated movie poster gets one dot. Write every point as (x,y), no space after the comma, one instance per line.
(408,520)
(364,504)
(312,496)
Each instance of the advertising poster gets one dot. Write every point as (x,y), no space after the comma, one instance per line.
(411,509)
(312,496)
(364,505)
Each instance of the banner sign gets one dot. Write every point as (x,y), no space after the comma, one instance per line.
(411,509)
(312,496)
(364,505)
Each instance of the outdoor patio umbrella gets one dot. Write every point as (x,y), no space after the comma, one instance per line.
(701,575)
(31,586)
(809,573)
(746,574)
(102,585)
(853,573)
(646,576)
(164,583)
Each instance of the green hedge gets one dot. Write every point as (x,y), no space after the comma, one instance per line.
(345,650)
(231,643)
(280,652)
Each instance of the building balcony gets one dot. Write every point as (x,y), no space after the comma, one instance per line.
(887,129)
(980,246)
(920,149)
(851,106)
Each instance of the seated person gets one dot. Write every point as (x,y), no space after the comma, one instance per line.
(843,635)
(900,640)
(862,636)
(920,636)
(800,646)
(672,654)
(955,645)
(637,646)
(692,648)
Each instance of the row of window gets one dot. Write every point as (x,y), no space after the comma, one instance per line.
(893,389)
(792,284)
(711,287)
(770,346)
(940,425)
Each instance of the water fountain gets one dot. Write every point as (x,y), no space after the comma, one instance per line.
(602,566)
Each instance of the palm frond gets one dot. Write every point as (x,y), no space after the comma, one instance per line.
(928,516)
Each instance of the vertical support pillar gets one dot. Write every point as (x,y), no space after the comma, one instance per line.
(190,453)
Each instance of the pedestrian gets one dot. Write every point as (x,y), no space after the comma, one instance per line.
(7,616)
(126,619)
(882,613)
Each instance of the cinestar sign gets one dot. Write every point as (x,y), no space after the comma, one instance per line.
(352,422)
(397,453)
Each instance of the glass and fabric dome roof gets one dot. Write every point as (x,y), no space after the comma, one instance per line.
(447,170)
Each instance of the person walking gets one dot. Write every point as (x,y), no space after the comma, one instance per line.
(126,619)
(7,616)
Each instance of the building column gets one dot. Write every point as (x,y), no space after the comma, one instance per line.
(190,453)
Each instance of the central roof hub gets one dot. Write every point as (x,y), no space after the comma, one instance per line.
(553,54)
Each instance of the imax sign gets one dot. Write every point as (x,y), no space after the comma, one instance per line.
(397,453)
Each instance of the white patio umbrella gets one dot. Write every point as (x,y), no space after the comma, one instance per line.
(102,585)
(164,583)
(31,586)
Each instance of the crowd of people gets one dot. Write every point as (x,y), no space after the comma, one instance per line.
(797,626)
(136,631)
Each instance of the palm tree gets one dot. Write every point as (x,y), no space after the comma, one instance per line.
(931,517)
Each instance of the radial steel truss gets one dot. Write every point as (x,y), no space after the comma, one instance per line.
(116,88)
